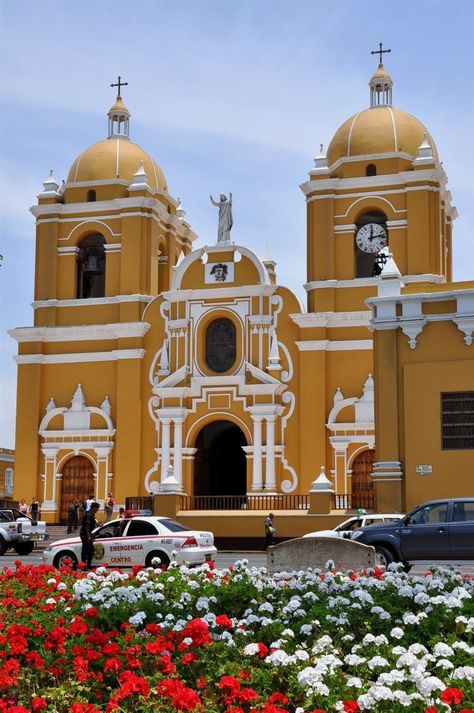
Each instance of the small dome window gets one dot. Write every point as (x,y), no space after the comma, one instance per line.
(91,196)
(371,170)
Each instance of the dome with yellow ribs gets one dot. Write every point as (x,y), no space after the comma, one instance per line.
(115,158)
(378,130)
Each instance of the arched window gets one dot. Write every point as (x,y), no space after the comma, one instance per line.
(91,196)
(370,237)
(91,267)
(220,345)
(371,170)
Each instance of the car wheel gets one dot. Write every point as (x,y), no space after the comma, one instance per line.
(383,556)
(3,546)
(24,548)
(164,559)
(64,558)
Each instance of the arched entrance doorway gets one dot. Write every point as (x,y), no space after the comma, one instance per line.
(77,483)
(220,464)
(362,485)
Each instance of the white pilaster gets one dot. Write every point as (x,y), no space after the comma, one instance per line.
(165,446)
(257,453)
(270,484)
(178,450)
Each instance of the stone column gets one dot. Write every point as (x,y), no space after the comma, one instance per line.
(178,450)
(257,453)
(102,458)
(270,484)
(48,503)
(165,446)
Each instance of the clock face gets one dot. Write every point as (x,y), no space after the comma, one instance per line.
(371,238)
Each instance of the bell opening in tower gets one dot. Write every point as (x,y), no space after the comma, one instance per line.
(371,236)
(91,267)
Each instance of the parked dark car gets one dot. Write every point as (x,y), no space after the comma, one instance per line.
(436,530)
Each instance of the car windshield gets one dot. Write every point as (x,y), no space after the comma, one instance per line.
(173,526)
(350,525)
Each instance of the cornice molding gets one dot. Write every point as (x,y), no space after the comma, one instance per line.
(330,320)
(78,333)
(114,355)
(369,282)
(325,345)
(91,301)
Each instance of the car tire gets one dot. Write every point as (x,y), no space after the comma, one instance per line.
(60,557)
(24,548)
(383,556)
(165,560)
(3,546)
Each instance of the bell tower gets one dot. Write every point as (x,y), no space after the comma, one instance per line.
(379,184)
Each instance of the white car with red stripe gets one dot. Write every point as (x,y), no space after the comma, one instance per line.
(137,540)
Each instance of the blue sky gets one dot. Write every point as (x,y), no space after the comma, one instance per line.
(227,95)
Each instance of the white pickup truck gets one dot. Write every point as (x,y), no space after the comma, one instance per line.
(11,535)
(30,532)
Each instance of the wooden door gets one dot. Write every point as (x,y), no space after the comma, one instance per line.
(77,483)
(362,485)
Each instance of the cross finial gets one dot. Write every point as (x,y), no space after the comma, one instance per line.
(380,52)
(124,84)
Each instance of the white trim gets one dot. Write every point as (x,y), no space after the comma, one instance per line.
(394,128)
(114,355)
(317,345)
(370,282)
(91,301)
(264,278)
(92,220)
(332,319)
(79,333)
(112,247)
(69,250)
(373,182)
(349,228)
(220,292)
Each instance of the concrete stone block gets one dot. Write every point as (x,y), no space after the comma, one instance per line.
(303,552)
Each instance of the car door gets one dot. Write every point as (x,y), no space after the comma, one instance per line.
(424,534)
(107,540)
(461,529)
(139,539)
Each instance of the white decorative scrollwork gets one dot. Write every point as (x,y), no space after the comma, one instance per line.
(287,486)
(286,376)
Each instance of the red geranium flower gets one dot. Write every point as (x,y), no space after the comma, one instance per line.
(431,709)
(452,695)
(38,703)
(351,706)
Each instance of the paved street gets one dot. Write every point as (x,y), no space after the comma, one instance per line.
(225,559)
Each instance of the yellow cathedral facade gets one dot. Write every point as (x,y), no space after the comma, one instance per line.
(157,368)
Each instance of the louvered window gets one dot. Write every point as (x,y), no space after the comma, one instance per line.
(457,420)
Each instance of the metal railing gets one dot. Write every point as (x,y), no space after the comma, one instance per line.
(245,502)
(353,501)
(139,503)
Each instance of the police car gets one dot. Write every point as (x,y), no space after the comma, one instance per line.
(137,540)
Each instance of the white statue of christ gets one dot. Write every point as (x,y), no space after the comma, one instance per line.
(225,217)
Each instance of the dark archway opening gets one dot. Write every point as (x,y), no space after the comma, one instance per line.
(220,464)
(91,267)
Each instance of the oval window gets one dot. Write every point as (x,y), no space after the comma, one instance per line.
(220,345)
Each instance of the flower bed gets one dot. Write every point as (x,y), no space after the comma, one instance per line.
(235,641)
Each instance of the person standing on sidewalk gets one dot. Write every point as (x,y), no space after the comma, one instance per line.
(34,510)
(89,523)
(72,517)
(270,531)
(109,504)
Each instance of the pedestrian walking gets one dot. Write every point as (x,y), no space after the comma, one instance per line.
(87,503)
(270,531)
(72,517)
(89,523)
(109,504)
(23,507)
(34,510)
